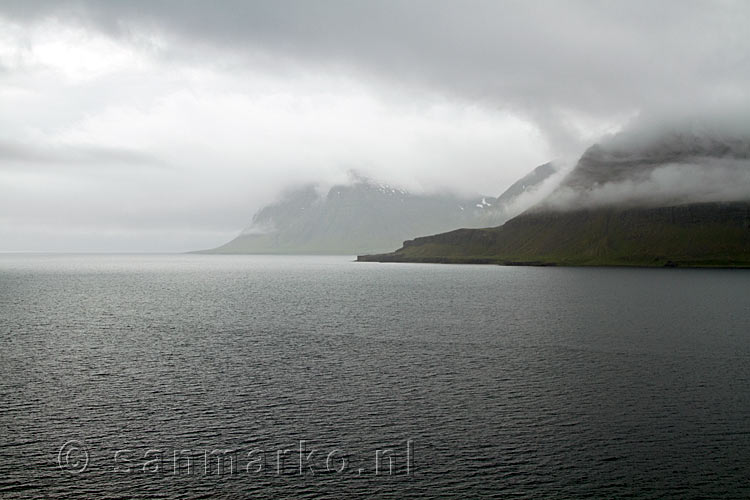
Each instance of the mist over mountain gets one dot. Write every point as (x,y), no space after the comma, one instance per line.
(647,196)
(650,167)
(367,216)
(164,125)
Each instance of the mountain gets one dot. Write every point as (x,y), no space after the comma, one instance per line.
(365,216)
(701,234)
(676,199)
(667,168)
(526,184)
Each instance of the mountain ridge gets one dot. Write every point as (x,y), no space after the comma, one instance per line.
(366,216)
(691,235)
(677,200)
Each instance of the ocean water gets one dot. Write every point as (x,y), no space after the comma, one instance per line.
(187,376)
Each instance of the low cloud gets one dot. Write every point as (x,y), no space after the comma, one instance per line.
(185,117)
(18,155)
(672,184)
(534,197)
(663,161)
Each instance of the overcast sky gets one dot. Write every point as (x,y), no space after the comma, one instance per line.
(163,126)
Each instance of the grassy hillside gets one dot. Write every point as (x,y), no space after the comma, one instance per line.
(705,234)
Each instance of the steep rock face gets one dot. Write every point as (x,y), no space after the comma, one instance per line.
(706,234)
(368,217)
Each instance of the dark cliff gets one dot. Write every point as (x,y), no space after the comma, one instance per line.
(703,234)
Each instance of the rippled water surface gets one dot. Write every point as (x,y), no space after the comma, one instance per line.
(472,381)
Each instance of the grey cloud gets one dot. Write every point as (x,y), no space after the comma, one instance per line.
(671,184)
(543,60)
(660,161)
(574,69)
(18,154)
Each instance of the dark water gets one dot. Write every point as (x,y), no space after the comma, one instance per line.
(473,381)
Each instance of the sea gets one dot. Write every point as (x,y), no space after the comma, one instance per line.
(207,376)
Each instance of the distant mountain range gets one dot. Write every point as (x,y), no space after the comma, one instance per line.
(366,216)
(671,199)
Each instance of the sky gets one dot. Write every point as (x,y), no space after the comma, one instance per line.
(164,125)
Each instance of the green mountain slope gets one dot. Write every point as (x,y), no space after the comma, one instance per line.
(704,234)
(653,198)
